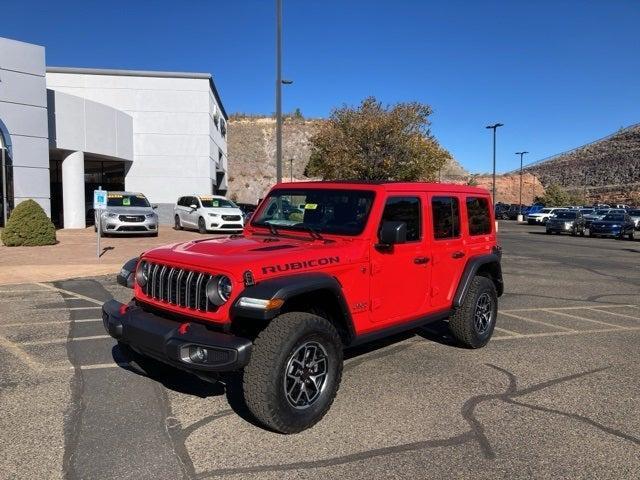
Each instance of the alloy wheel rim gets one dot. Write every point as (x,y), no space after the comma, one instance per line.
(483,314)
(306,375)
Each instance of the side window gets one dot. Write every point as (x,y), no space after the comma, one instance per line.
(446,217)
(192,201)
(478,216)
(404,209)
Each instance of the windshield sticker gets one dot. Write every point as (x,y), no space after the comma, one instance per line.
(113,195)
(319,262)
(311,206)
(215,203)
(126,201)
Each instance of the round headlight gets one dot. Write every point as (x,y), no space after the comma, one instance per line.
(142,273)
(219,289)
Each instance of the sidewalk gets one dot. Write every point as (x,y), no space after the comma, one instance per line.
(75,255)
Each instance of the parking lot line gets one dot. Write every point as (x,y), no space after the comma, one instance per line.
(508,332)
(53,341)
(550,310)
(519,317)
(575,307)
(19,353)
(595,309)
(561,334)
(49,322)
(69,292)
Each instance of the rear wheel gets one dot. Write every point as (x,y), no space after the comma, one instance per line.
(177,225)
(202,227)
(294,372)
(631,235)
(473,322)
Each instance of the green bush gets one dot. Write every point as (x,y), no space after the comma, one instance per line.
(28,226)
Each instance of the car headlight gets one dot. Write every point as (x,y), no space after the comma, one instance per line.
(219,289)
(213,215)
(142,273)
(616,226)
(111,215)
(150,215)
(568,224)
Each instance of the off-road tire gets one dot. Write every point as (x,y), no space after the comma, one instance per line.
(461,323)
(264,376)
(177,225)
(202,227)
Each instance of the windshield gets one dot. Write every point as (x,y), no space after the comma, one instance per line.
(126,200)
(602,212)
(586,211)
(546,210)
(617,217)
(208,202)
(566,215)
(343,212)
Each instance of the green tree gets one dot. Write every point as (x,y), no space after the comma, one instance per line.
(376,142)
(28,226)
(556,196)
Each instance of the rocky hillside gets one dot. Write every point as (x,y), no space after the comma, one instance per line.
(605,170)
(252,150)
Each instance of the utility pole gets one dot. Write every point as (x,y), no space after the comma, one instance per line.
(521,155)
(494,127)
(291,168)
(278,91)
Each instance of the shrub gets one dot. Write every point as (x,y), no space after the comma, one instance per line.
(28,226)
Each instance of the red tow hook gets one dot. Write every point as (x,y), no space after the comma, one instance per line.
(123,309)
(183,328)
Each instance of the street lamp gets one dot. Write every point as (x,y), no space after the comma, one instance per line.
(521,155)
(494,127)
(279,83)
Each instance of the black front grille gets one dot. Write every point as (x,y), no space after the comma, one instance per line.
(132,228)
(178,286)
(131,218)
(231,218)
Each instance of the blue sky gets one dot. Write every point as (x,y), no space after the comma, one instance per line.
(557,73)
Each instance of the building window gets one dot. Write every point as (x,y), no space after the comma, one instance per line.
(446,217)
(223,128)
(407,210)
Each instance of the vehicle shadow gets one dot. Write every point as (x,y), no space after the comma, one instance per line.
(231,384)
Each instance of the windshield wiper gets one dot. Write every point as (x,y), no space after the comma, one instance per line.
(314,233)
(272,229)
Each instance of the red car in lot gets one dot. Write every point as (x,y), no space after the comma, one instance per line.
(322,266)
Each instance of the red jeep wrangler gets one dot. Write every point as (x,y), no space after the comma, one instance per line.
(322,266)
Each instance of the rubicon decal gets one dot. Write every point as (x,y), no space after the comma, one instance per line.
(286,267)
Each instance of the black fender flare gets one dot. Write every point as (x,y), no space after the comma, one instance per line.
(470,271)
(285,288)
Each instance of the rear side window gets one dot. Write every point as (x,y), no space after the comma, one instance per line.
(446,217)
(478,216)
(404,209)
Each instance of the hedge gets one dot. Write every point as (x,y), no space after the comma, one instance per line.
(28,226)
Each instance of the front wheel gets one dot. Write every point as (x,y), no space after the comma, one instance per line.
(473,322)
(631,235)
(202,227)
(294,372)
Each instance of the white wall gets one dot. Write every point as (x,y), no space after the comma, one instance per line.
(175,150)
(23,110)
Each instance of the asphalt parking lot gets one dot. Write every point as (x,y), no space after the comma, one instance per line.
(555,393)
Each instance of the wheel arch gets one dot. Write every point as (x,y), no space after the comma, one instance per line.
(483,265)
(316,293)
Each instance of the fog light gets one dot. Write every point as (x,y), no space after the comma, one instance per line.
(197,354)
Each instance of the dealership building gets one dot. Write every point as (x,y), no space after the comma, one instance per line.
(64,132)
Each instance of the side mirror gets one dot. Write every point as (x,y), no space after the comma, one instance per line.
(155,207)
(193,206)
(392,233)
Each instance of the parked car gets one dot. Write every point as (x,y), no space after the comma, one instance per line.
(634,214)
(541,217)
(128,213)
(207,213)
(569,221)
(598,214)
(279,304)
(247,210)
(617,225)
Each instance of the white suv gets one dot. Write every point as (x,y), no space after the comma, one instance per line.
(207,213)
(543,216)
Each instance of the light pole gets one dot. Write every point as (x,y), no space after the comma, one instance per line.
(494,127)
(291,168)
(279,83)
(521,155)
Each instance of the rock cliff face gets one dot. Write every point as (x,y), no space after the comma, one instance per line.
(605,170)
(508,187)
(252,152)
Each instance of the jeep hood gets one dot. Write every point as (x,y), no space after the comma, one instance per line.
(263,255)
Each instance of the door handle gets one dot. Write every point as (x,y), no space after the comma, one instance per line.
(458,254)
(420,260)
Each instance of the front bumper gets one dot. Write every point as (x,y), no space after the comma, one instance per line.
(169,341)
(555,227)
(534,220)
(601,232)
(116,226)
(217,224)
